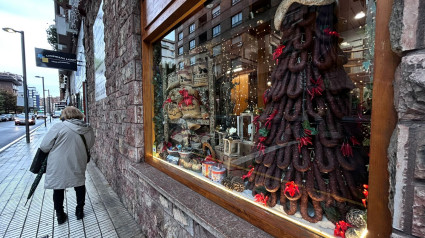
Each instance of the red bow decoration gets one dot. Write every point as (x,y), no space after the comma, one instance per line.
(249,172)
(209,158)
(316,87)
(278,52)
(166,145)
(268,123)
(184,92)
(365,193)
(340,228)
(187,99)
(305,139)
(166,101)
(346,149)
(261,198)
(328,32)
(292,188)
(256,123)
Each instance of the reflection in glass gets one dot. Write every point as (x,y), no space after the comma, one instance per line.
(278,117)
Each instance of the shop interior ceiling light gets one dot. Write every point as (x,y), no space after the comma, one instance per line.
(360,15)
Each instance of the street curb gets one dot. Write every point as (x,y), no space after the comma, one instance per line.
(20,138)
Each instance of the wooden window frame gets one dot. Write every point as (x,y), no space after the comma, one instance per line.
(379,217)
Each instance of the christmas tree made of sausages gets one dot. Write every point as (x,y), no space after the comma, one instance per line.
(307,154)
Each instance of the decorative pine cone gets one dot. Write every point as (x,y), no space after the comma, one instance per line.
(238,184)
(356,218)
(227,182)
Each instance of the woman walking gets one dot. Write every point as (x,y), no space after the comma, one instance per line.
(67,160)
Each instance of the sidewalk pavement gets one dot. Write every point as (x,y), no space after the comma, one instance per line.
(105,216)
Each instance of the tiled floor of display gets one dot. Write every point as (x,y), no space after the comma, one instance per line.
(38,219)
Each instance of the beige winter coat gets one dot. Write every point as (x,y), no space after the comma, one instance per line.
(67,160)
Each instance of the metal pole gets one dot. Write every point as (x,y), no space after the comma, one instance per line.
(27,126)
(50,107)
(44,101)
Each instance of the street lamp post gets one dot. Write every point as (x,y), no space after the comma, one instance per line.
(50,106)
(24,72)
(44,100)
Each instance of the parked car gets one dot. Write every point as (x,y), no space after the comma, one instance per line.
(41,115)
(10,117)
(3,118)
(32,115)
(20,120)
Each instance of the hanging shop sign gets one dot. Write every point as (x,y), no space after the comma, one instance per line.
(55,59)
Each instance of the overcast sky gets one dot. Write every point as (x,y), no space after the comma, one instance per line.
(33,17)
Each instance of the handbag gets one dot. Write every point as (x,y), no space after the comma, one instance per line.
(87,150)
(38,160)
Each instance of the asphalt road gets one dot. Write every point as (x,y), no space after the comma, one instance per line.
(9,132)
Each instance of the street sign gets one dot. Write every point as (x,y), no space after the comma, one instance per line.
(55,59)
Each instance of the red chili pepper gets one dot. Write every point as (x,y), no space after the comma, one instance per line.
(264,96)
(354,141)
(347,150)
(249,173)
(278,52)
(261,198)
(340,228)
(268,123)
(261,147)
(292,188)
(256,123)
(328,31)
(316,88)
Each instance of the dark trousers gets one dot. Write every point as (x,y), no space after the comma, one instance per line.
(58,197)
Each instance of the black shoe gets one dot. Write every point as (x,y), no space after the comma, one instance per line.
(79,213)
(61,217)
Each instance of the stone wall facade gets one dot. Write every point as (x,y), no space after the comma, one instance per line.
(407,149)
(162,206)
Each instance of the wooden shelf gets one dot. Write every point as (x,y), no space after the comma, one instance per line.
(196,121)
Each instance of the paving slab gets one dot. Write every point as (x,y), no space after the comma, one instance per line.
(105,215)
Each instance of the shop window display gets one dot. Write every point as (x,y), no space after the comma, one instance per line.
(281,120)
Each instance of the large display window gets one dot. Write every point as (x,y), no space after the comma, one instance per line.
(270,103)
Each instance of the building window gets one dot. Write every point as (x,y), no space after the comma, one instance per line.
(191,44)
(217,69)
(235,1)
(203,38)
(192,28)
(216,50)
(237,19)
(216,11)
(180,50)
(181,36)
(216,30)
(237,41)
(181,65)
(192,60)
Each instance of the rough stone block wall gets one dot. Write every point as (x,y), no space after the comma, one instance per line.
(407,25)
(118,120)
(407,149)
